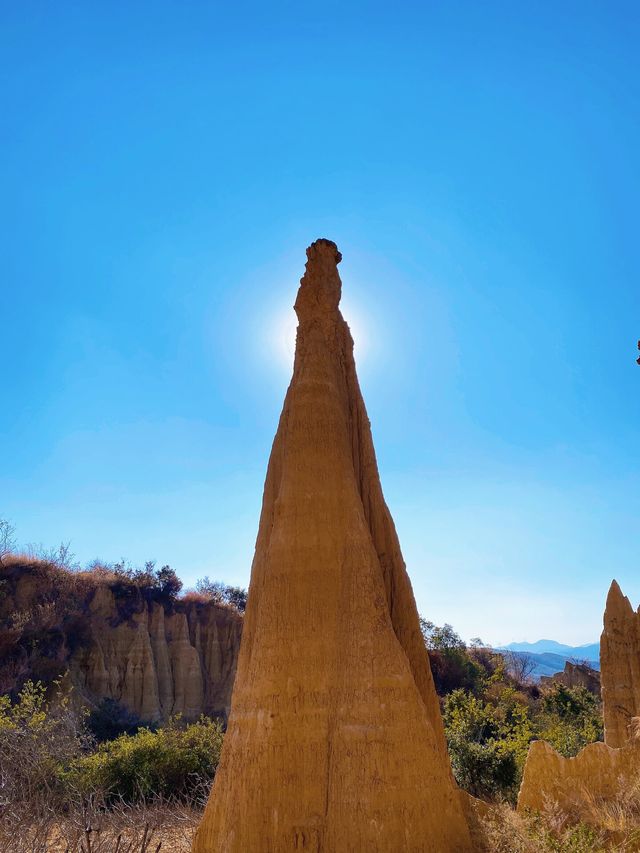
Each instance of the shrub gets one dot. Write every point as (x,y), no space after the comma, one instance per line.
(570,718)
(37,740)
(222,593)
(452,666)
(173,761)
(153,584)
(487,744)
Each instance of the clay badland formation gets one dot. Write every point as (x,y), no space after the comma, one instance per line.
(335,741)
(156,659)
(160,662)
(600,770)
(620,663)
(575,675)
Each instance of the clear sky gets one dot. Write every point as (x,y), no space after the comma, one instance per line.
(164,165)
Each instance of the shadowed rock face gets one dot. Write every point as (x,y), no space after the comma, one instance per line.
(620,666)
(335,741)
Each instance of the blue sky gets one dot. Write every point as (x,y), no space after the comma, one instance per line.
(164,166)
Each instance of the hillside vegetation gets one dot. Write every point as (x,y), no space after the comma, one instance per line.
(492,711)
(45,609)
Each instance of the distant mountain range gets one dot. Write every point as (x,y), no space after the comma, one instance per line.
(550,656)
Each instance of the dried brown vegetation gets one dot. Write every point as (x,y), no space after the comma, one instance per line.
(595,827)
(88,827)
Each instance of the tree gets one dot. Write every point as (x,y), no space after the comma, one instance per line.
(570,718)
(451,665)
(7,540)
(442,639)
(520,666)
(222,593)
(168,582)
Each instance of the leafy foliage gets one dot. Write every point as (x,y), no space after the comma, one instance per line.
(222,593)
(170,762)
(154,584)
(47,753)
(451,666)
(37,740)
(570,719)
(492,712)
(487,741)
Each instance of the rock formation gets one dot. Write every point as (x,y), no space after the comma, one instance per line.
(335,741)
(619,666)
(575,675)
(600,770)
(156,658)
(158,663)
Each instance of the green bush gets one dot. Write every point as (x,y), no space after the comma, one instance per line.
(570,719)
(38,739)
(487,743)
(492,714)
(174,761)
(489,735)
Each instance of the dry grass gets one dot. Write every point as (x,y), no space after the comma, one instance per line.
(596,826)
(157,827)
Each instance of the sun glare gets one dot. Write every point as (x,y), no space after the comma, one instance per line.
(281,343)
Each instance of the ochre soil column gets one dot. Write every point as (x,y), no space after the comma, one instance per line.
(619,667)
(596,773)
(600,771)
(335,741)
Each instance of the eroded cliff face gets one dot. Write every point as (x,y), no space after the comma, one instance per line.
(598,772)
(619,666)
(159,662)
(575,675)
(335,740)
(156,658)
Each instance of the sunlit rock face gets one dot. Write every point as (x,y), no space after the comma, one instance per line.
(597,773)
(158,662)
(575,675)
(335,740)
(620,666)
(157,657)
(601,771)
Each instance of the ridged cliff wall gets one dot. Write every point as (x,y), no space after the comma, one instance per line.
(160,662)
(156,657)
